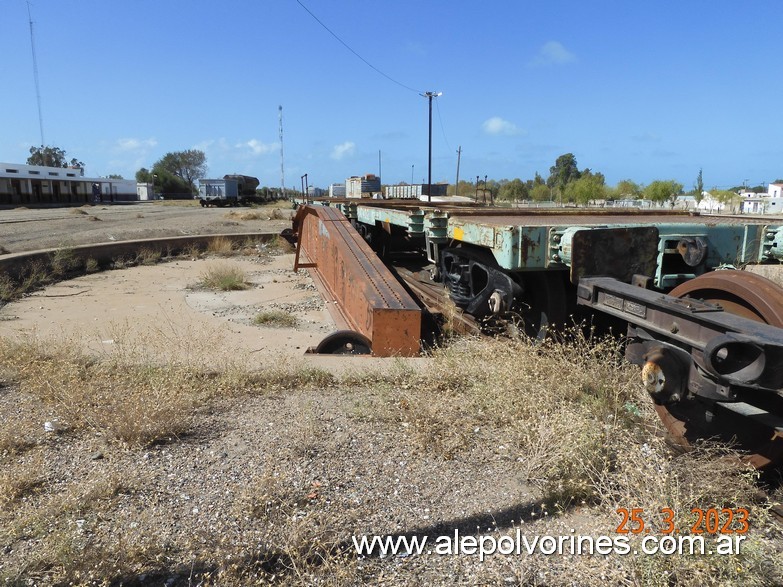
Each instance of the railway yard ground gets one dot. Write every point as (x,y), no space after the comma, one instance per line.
(158,431)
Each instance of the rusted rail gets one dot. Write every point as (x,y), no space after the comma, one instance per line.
(369,298)
(436,299)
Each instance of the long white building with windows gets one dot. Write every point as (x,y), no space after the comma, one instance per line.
(22,185)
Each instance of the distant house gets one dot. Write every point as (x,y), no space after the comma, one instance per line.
(769,203)
(362,187)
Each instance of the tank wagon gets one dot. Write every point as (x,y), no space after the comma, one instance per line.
(709,337)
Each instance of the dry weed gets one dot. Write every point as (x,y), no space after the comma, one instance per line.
(303,534)
(91,265)
(134,404)
(20,479)
(224,277)
(221,247)
(193,251)
(148,256)
(275,319)
(247,215)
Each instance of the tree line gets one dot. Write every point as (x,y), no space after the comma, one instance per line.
(176,173)
(568,184)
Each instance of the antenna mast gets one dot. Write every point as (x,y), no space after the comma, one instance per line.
(282,158)
(37,83)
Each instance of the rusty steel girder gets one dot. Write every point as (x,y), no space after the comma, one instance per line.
(368,297)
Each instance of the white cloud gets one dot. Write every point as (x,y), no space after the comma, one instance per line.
(257,147)
(553,53)
(499,126)
(131,144)
(345,149)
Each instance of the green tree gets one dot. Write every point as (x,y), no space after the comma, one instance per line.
(728,198)
(586,189)
(698,188)
(563,171)
(627,189)
(513,191)
(52,157)
(465,188)
(164,181)
(541,193)
(188,166)
(144,175)
(662,191)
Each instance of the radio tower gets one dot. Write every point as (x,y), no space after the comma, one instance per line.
(282,157)
(37,83)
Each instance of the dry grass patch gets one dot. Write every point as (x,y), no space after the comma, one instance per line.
(247,215)
(91,265)
(224,277)
(148,256)
(221,246)
(21,479)
(275,319)
(134,404)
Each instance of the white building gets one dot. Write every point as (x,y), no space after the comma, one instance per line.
(337,190)
(769,203)
(35,184)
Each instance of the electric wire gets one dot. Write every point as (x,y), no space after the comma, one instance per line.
(442,129)
(344,44)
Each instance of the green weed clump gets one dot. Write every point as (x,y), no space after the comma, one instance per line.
(275,319)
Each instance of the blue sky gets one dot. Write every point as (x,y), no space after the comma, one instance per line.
(639,90)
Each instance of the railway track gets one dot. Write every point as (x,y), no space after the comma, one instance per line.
(435,300)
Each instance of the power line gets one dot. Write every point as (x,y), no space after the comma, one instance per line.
(354,52)
(442,130)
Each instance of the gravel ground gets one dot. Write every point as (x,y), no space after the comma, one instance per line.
(23,229)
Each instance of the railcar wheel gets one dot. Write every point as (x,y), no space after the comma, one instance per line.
(344,342)
(751,296)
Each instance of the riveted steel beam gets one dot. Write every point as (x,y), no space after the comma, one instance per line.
(369,298)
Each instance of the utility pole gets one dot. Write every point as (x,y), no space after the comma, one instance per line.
(456,185)
(430,96)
